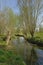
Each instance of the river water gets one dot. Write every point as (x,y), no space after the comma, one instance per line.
(38,51)
(40,56)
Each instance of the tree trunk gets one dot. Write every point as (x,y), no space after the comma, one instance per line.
(31,41)
(8,37)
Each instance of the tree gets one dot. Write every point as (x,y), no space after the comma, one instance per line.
(7,23)
(10,24)
(30,11)
(2,23)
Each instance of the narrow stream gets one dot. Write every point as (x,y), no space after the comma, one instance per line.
(38,51)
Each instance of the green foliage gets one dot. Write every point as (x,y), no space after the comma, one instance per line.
(8,57)
(12,20)
(2,23)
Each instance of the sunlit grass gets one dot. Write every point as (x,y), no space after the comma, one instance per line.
(2,42)
(39,35)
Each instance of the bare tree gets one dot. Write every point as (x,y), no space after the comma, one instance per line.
(30,11)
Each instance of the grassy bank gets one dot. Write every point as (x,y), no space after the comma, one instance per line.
(8,57)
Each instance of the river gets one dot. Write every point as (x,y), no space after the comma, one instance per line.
(40,56)
(38,51)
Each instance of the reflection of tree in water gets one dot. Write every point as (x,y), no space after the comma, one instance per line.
(26,51)
(30,60)
(33,57)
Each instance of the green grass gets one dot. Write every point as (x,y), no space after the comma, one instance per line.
(39,35)
(2,42)
(7,57)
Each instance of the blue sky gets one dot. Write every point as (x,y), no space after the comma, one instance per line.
(9,3)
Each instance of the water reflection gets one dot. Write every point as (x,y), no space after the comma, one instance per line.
(40,56)
(24,48)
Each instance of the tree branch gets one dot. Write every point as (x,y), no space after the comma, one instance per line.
(31,40)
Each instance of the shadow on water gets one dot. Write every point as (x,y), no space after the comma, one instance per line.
(32,56)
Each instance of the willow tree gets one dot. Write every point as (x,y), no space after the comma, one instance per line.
(10,21)
(2,23)
(30,11)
